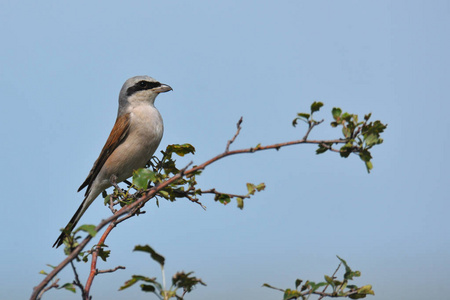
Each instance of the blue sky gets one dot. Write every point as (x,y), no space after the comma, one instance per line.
(63,64)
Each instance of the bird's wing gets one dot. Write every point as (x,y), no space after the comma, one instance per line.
(116,137)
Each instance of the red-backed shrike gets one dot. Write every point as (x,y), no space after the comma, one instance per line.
(131,143)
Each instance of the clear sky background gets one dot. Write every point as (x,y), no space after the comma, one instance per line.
(64,62)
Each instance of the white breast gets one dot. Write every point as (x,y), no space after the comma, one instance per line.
(146,131)
(144,135)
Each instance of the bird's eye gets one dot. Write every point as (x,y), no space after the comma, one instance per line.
(143,84)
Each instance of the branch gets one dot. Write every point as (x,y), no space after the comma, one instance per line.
(77,281)
(261,148)
(153,191)
(94,270)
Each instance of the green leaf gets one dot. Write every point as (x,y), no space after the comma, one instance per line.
(291,294)
(349,274)
(153,254)
(180,150)
(69,287)
(251,188)
(357,296)
(367,117)
(346,116)
(148,288)
(303,115)
(367,290)
(371,139)
(141,178)
(240,202)
(315,286)
(321,149)
(316,106)
(362,292)
(346,150)
(260,187)
(369,166)
(272,287)
(336,112)
(365,155)
(328,279)
(104,254)
(222,198)
(346,132)
(297,283)
(305,286)
(136,278)
(185,281)
(107,199)
(43,272)
(90,229)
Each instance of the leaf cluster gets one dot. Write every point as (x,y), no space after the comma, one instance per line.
(308,118)
(185,187)
(182,282)
(358,136)
(361,136)
(340,288)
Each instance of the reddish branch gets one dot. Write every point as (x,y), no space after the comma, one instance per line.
(94,270)
(129,209)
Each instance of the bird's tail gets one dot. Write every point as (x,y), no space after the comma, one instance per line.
(73,222)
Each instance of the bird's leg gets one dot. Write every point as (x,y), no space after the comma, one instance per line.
(113,181)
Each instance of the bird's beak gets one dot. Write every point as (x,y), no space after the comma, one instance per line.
(163,88)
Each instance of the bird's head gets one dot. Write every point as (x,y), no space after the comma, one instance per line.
(140,90)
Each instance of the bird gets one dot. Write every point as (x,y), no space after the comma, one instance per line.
(136,135)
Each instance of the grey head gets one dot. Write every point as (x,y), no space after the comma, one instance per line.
(140,90)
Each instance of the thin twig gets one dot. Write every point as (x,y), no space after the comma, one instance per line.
(111,270)
(53,285)
(213,191)
(238,125)
(77,281)
(332,277)
(195,200)
(311,125)
(111,204)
